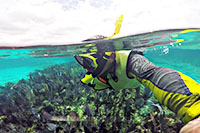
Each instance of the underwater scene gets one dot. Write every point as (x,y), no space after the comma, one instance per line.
(41,89)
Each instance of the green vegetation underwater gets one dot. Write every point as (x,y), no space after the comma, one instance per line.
(41,92)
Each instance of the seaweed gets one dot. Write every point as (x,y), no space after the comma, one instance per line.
(54,100)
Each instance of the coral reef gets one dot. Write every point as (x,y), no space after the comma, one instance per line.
(54,100)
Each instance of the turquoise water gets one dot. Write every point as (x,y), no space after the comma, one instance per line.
(184,60)
(14,69)
(170,48)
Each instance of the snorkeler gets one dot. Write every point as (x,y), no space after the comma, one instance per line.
(129,69)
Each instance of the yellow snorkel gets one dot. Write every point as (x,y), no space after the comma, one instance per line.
(118,24)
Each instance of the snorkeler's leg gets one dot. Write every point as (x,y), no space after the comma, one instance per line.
(178,92)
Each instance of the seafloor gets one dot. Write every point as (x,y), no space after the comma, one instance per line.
(54,100)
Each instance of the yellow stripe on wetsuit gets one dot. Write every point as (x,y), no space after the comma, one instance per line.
(184,105)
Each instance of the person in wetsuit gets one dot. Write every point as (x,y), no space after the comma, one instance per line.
(129,69)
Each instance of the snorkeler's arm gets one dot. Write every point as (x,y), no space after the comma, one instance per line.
(178,92)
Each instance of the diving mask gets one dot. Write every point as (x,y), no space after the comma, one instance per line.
(96,64)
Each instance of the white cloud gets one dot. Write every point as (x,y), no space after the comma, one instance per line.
(32,22)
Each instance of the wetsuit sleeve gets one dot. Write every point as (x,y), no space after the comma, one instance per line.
(178,92)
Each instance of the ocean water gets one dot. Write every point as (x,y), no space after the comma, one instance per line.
(41,85)
(183,60)
(12,70)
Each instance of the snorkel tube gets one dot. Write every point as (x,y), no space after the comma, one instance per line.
(118,24)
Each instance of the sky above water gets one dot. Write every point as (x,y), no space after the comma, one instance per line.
(34,22)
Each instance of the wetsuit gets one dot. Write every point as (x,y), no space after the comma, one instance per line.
(178,92)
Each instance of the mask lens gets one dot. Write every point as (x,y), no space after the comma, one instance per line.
(79,59)
(86,62)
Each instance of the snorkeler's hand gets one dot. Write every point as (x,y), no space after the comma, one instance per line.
(192,127)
